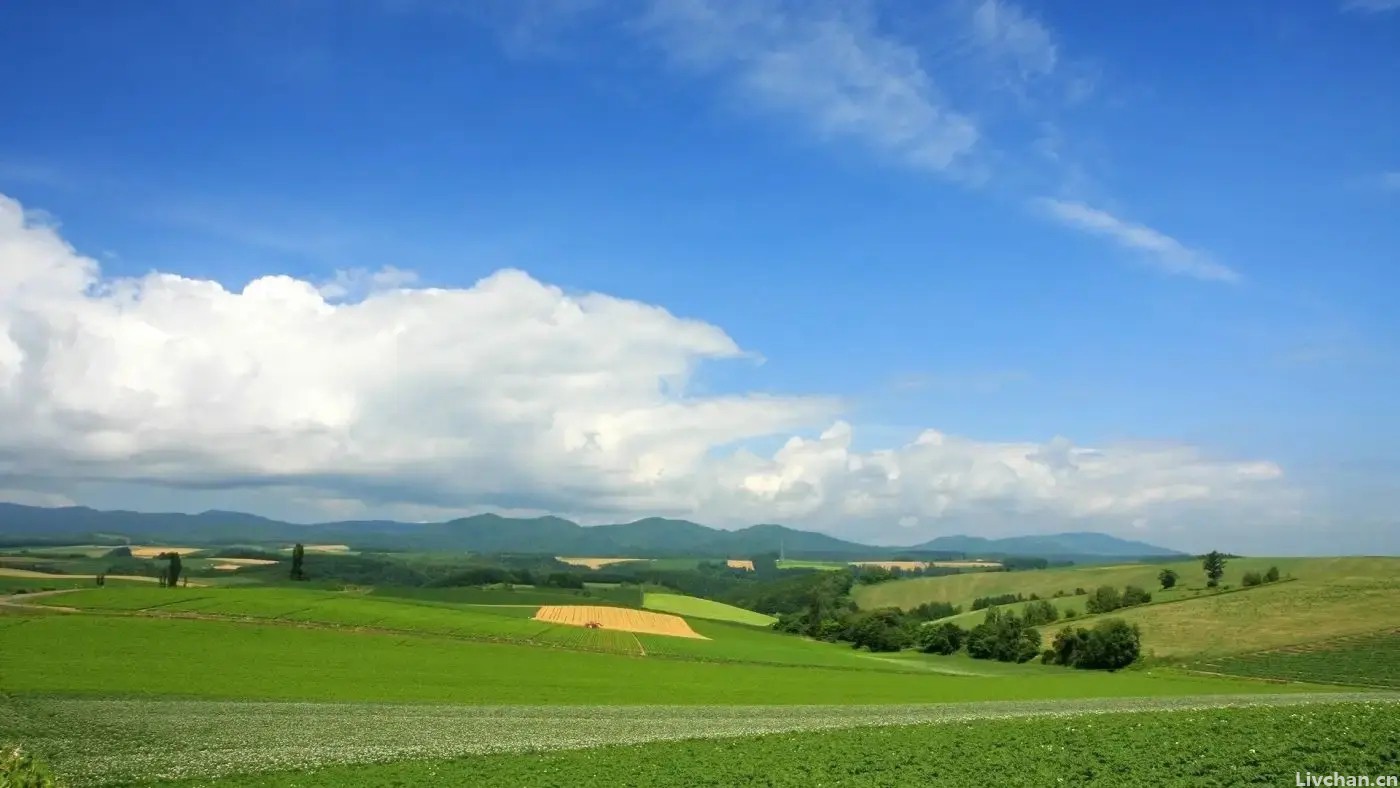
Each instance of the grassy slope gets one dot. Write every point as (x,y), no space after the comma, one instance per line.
(1211,747)
(123,655)
(1303,611)
(1329,597)
(683,605)
(728,642)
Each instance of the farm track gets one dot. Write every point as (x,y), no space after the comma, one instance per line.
(137,739)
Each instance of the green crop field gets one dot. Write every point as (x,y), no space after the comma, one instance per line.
(824,565)
(123,655)
(1117,742)
(683,605)
(1371,660)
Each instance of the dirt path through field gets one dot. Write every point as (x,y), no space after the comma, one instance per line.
(18,600)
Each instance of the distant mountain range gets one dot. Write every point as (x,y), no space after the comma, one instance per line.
(490,533)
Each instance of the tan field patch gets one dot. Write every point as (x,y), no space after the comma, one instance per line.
(28,573)
(594,563)
(618,618)
(966,564)
(237,562)
(151,551)
(322,548)
(907,565)
(741,563)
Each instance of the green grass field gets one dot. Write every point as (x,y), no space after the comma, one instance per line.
(596,594)
(689,606)
(824,565)
(1371,660)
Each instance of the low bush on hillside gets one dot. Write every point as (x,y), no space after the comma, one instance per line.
(983,602)
(1110,645)
(1003,637)
(1107,599)
(945,638)
(1040,612)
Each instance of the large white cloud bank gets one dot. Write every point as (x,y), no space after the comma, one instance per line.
(507,394)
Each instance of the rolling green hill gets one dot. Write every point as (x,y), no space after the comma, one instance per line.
(1321,598)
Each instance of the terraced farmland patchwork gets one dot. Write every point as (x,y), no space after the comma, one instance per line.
(1361,660)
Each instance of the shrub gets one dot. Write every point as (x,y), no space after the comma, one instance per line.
(1132,595)
(1271,576)
(1110,645)
(1167,578)
(1252,579)
(1080,592)
(19,769)
(944,638)
(879,630)
(983,602)
(1003,637)
(1105,599)
(1040,612)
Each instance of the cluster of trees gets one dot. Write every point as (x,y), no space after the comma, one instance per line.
(1110,645)
(1254,578)
(1004,637)
(1107,599)
(983,602)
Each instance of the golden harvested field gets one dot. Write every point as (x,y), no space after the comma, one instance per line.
(237,562)
(741,563)
(151,551)
(618,618)
(967,564)
(594,563)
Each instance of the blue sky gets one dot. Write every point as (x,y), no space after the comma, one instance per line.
(1165,234)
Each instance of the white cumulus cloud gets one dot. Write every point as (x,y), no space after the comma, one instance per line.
(509,394)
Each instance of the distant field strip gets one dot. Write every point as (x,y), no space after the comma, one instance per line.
(740,563)
(1360,660)
(595,563)
(97,742)
(618,618)
(683,605)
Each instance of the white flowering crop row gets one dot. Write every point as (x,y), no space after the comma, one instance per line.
(93,742)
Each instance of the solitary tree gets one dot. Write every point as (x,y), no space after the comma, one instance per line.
(1167,578)
(1271,575)
(172,573)
(1214,564)
(298,555)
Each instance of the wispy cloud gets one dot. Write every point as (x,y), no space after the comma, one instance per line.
(826,66)
(1009,34)
(1370,6)
(1159,250)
